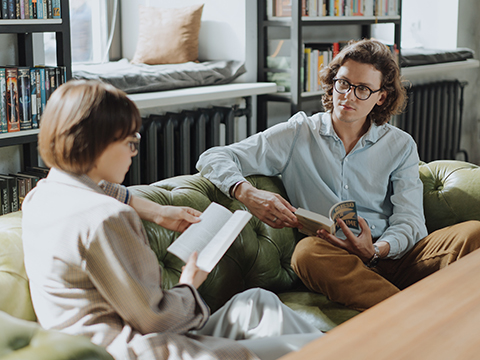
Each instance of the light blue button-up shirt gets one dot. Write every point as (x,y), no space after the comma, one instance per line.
(380,173)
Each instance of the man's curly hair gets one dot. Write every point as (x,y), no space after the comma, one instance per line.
(380,56)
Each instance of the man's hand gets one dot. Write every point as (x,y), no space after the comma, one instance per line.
(269,207)
(360,245)
(176,218)
(191,274)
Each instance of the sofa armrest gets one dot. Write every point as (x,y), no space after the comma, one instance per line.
(25,340)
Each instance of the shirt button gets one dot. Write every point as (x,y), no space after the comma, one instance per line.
(346,187)
(373,227)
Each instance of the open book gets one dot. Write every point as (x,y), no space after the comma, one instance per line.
(211,237)
(312,222)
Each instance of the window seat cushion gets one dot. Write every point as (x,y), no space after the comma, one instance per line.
(422,56)
(139,78)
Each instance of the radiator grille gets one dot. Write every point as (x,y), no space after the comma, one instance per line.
(172,142)
(433,117)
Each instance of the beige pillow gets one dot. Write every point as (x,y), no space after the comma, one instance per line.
(168,36)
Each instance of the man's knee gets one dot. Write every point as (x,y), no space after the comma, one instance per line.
(469,231)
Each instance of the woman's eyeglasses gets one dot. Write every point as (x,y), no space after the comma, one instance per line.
(135,142)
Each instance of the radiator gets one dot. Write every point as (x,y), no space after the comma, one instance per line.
(433,117)
(172,142)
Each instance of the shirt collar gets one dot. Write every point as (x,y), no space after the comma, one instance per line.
(82,181)
(373,134)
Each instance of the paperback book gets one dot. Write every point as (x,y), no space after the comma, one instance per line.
(211,237)
(312,222)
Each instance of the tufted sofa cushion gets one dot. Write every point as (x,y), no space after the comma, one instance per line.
(451,192)
(260,257)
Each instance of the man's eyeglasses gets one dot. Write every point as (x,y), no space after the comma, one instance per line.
(362,92)
(135,142)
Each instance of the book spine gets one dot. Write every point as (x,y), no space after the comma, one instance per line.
(24,98)
(4,9)
(14,200)
(21,189)
(39,96)
(11,9)
(63,74)
(22,9)
(5,201)
(52,80)
(12,100)
(43,88)
(33,97)
(30,9)
(49,9)
(56,9)
(3,102)
(58,77)
(39,9)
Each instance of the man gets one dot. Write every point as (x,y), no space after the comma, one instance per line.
(347,153)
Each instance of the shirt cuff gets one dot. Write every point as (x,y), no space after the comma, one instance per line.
(116,191)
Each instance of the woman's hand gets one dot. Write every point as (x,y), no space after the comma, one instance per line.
(176,218)
(191,274)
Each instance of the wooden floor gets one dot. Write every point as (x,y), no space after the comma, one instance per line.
(436,318)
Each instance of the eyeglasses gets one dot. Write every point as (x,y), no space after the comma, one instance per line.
(135,142)
(362,92)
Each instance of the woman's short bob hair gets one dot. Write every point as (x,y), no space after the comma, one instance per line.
(380,56)
(81,119)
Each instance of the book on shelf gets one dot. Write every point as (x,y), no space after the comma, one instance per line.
(283,8)
(33,98)
(24,98)
(13,123)
(211,237)
(3,102)
(56,9)
(4,200)
(49,9)
(312,222)
(40,9)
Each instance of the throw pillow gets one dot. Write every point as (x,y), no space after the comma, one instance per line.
(168,36)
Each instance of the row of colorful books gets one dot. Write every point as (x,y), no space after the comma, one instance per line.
(319,8)
(14,187)
(31,9)
(24,94)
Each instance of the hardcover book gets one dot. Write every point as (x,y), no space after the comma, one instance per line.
(4,200)
(312,222)
(33,98)
(13,123)
(211,237)
(3,102)
(25,106)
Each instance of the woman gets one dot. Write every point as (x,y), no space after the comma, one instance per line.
(87,257)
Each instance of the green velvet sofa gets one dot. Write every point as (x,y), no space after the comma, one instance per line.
(260,257)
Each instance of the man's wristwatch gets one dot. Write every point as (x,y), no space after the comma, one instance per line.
(376,256)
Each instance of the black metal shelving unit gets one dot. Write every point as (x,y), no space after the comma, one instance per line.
(25,30)
(293,26)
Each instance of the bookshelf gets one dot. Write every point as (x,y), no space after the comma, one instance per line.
(24,29)
(292,29)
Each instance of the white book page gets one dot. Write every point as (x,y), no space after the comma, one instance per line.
(218,246)
(198,235)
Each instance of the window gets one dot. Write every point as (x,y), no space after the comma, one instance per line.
(88,26)
(429,24)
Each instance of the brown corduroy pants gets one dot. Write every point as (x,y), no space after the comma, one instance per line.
(344,278)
